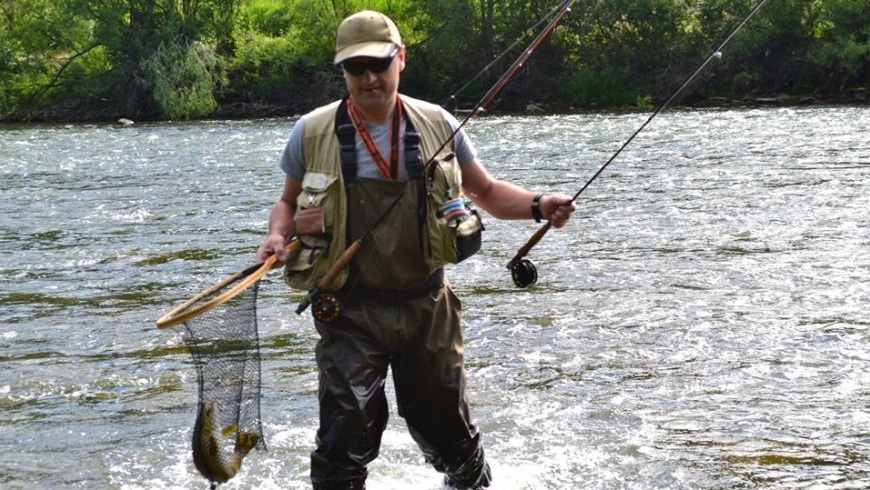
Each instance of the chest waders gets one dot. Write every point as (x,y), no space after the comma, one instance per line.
(393,267)
(396,314)
(435,212)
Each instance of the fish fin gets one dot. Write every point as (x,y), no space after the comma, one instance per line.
(229,430)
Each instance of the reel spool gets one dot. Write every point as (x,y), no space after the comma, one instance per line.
(325,307)
(524,273)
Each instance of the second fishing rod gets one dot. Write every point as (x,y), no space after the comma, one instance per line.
(523,271)
(325,303)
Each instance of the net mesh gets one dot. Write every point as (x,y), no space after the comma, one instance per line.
(223,341)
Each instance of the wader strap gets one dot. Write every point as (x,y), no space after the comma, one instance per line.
(413,161)
(346,134)
(414,167)
(347,143)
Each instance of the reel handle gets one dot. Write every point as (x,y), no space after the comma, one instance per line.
(327,278)
(522,252)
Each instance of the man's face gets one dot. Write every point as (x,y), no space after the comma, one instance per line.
(374,82)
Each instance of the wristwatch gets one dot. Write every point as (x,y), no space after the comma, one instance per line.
(536,208)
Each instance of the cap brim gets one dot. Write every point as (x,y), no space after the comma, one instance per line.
(370,49)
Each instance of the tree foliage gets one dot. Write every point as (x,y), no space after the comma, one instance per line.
(182,79)
(103,59)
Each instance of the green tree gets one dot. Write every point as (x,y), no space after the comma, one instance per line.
(144,39)
(102,59)
(45,51)
(841,47)
(182,81)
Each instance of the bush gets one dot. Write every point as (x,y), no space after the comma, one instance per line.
(587,88)
(183,78)
(269,17)
(276,69)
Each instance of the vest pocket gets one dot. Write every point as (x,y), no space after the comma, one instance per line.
(314,190)
(319,191)
(468,236)
(454,229)
(309,264)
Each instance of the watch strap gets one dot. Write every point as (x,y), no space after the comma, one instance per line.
(536,207)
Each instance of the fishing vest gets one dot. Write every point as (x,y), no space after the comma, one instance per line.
(331,180)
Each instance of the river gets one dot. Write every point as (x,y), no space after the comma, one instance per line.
(700,324)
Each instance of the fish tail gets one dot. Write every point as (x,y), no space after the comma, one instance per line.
(245,442)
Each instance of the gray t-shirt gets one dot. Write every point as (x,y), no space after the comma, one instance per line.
(293,160)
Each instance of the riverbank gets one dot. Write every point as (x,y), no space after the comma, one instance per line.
(852,97)
(94,111)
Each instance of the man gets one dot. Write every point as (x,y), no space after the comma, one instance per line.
(386,171)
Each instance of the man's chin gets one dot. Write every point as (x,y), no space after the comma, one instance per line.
(371,100)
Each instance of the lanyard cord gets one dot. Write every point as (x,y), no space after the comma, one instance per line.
(391,171)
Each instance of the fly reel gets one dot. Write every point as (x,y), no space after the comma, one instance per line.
(325,307)
(524,273)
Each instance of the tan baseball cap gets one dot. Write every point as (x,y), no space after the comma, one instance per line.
(366,33)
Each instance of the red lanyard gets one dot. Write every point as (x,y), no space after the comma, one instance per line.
(390,171)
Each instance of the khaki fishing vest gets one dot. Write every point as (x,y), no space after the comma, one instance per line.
(405,248)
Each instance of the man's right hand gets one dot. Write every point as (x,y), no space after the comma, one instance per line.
(273,245)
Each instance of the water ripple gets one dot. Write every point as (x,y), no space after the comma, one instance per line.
(700,324)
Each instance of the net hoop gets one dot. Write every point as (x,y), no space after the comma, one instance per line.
(251,275)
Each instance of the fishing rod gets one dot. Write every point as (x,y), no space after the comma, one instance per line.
(325,304)
(523,271)
(492,63)
(499,85)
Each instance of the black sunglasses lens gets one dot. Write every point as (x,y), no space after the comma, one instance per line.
(354,68)
(377,65)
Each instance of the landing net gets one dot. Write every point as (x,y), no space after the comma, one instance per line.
(220,330)
(225,347)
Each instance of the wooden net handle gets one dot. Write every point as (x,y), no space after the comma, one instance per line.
(339,264)
(253,273)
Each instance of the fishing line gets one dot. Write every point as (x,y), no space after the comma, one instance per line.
(523,271)
(326,306)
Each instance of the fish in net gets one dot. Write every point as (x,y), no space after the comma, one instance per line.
(220,330)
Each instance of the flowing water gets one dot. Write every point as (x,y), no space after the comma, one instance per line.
(700,324)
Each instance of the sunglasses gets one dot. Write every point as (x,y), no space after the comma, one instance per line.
(374,65)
